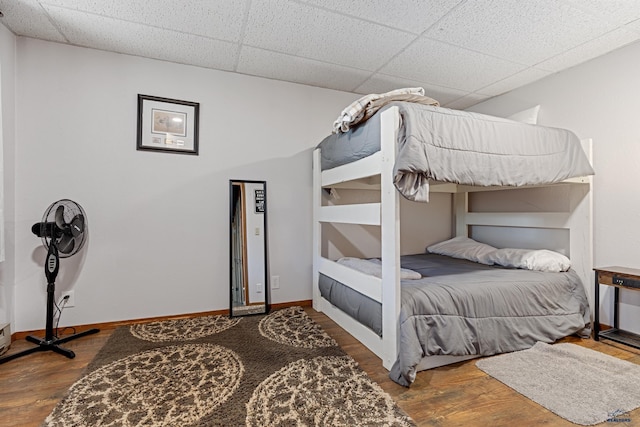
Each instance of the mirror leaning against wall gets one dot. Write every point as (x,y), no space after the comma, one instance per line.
(248,247)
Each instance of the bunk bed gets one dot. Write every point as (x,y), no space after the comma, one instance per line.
(411,150)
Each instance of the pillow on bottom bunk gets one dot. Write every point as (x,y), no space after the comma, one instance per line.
(374,267)
(528,259)
(463,248)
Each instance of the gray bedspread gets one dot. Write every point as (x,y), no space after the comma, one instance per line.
(464,308)
(360,141)
(447,145)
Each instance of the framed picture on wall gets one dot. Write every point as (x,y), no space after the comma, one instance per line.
(167,125)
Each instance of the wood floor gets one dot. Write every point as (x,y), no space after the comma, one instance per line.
(456,395)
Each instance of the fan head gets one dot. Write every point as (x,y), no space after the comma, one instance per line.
(64,225)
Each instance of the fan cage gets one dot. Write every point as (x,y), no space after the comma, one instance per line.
(71,209)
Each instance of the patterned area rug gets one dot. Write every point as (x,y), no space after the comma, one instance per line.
(279,369)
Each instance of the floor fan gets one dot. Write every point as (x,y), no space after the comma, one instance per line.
(63,231)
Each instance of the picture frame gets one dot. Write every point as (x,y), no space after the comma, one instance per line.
(167,125)
(259,201)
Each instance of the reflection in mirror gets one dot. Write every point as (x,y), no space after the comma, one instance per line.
(248,247)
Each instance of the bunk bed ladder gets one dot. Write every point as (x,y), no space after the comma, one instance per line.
(384,214)
(363,214)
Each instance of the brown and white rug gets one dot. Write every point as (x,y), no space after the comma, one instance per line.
(272,370)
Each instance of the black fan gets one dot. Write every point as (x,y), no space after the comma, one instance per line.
(63,226)
(63,230)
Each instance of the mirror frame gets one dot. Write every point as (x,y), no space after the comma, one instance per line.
(267,286)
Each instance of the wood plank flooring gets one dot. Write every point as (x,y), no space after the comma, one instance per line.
(31,386)
(455,395)
(461,394)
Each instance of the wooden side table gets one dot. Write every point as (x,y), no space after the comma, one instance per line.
(619,278)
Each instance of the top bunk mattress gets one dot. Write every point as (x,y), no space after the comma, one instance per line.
(461,147)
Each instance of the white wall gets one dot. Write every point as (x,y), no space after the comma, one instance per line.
(7,91)
(599,99)
(421,224)
(158,222)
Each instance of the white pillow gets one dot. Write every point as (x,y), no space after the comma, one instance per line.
(540,260)
(463,248)
(405,273)
(373,267)
(529,115)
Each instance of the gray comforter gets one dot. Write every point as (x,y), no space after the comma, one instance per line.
(447,145)
(463,308)
(476,149)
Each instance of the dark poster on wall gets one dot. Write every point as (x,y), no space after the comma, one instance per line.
(259,197)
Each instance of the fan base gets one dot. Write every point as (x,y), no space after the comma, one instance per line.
(53,345)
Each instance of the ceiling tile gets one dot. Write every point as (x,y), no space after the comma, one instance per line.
(26,17)
(380,83)
(521,31)
(306,31)
(633,26)
(616,12)
(263,63)
(125,37)
(458,50)
(414,16)
(519,79)
(444,65)
(594,48)
(220,19)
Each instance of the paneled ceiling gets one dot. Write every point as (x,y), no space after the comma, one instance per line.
(461,52)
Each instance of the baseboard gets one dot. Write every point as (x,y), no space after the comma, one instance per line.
(112,325)
(303,303)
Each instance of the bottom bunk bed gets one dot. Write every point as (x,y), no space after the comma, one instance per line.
(464,308)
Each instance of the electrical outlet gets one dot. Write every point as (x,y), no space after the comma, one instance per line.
(259,287)
(275,282)
(71,301)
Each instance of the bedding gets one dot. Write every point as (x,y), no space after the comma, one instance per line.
(341,148)
(373,267)
(464,248)
(540,259)
(462,147)
(363,108)
(462,308)
(363,309)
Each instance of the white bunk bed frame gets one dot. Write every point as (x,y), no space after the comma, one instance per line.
(385,214)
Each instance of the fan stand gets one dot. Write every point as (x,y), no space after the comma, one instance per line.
(49,342)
